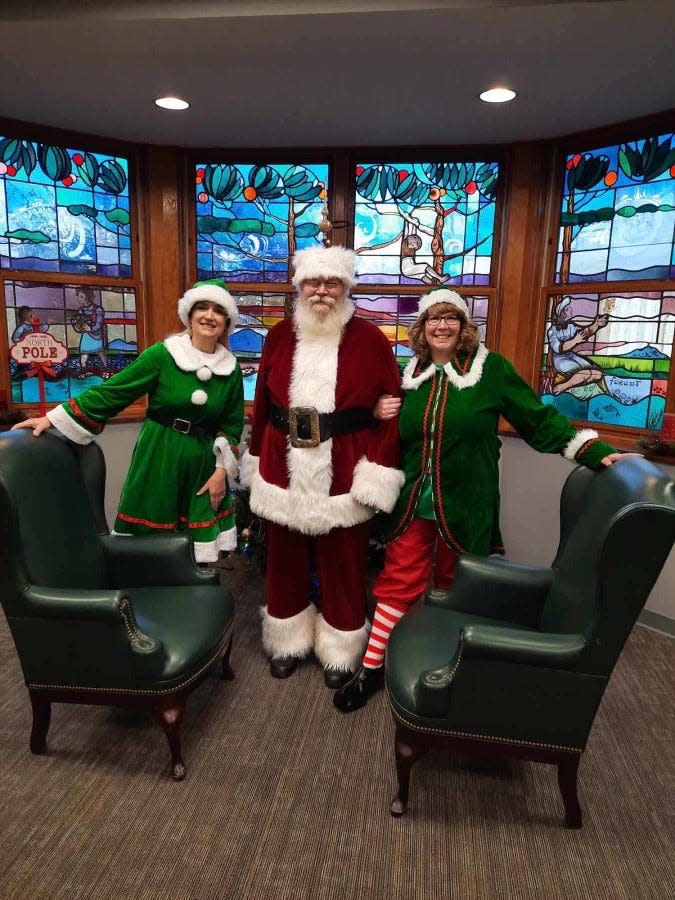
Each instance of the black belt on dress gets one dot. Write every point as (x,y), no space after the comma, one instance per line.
(182,426)
(308,428)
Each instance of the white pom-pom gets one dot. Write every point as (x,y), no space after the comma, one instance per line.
(204,374)
(199,398)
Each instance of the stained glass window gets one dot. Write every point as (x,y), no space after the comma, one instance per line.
(394,313)
(252,218)
(96,324)
(607,356)
(425,223)
(63,210)
(257,314)
(618,213)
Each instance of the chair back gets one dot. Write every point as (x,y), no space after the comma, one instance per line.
(617,529)
(48,527)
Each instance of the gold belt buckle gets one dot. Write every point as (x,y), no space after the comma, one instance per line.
(294,413)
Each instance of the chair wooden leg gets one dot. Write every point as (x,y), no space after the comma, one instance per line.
(170,718)
(567,782)
(42,716)
(409,748)
(227,670)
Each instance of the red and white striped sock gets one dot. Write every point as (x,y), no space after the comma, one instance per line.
(383,623)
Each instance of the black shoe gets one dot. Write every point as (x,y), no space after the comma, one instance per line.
(362,685)
(283,666)
(336,678)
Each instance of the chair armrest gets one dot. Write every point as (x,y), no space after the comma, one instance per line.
(89,606)
(535,648)
(153,560)
(495,642)
(496,588)
(72,603)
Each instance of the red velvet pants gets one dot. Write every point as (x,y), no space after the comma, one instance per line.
(339,558)
(408,563)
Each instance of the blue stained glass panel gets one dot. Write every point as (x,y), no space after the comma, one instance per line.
(97,326)
(257,314)
(607,357)
(618,213)
(59,207)
(425,223)
(252,218)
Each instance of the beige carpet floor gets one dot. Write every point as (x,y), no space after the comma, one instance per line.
(286,799)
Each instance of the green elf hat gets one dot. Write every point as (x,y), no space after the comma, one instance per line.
(443,295)
(213,289)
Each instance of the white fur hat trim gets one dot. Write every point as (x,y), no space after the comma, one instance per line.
(204,374)
(199,398)
(324,262)
(207,292)
(443,295)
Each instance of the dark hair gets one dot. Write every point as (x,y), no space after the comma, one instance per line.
(469,335)
(21,312)
(88,292)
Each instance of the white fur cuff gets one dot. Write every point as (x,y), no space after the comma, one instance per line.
(341,650)
(225,458)
(578,441)
(68,426)
(375,485)
(248,469)
(289,637)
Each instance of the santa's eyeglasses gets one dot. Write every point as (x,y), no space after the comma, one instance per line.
(331,284)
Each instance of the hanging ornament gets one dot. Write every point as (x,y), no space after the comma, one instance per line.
(325,226)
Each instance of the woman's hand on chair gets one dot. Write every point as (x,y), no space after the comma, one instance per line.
(38,425)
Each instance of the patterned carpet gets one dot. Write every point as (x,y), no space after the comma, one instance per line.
(287,798)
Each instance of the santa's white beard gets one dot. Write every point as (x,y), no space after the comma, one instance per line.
(311,321)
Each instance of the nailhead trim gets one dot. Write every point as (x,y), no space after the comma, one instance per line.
(107,690)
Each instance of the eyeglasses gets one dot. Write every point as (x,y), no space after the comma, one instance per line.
(449,319)
(331,284)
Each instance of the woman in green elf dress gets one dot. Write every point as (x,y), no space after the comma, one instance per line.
(188,445)
(455,390)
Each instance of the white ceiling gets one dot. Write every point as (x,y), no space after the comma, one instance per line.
(308,73)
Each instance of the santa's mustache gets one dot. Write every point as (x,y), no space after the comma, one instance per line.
(325,299)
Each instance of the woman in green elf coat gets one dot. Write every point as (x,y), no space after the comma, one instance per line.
(188,445)
(455,390)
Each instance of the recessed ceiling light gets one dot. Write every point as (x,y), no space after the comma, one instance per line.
(171,103)
(498,95)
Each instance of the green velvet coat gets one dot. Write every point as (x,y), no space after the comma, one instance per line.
(450,417)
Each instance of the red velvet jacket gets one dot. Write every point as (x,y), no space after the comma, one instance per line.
(346,478)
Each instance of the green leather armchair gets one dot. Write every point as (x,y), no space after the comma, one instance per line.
(98,618)
(514,660)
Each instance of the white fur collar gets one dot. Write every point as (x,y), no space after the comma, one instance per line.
(471,378)
(189,359)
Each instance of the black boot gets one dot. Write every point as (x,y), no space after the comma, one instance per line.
(283,666)
(355,693)
(336,678)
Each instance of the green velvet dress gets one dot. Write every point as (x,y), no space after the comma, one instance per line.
(448,425)
(167,467)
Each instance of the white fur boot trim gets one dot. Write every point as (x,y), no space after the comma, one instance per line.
(289,637)
(341,650)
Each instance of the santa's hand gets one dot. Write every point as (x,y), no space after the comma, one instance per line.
(217,488)
(387,407)
(38,425)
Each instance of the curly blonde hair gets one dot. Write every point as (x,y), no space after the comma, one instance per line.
(469,335)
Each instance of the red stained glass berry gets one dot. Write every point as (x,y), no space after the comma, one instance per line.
(359,170)
(78,159)
(11,170)
(471,187)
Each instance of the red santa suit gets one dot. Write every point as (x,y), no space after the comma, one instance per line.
(317,500)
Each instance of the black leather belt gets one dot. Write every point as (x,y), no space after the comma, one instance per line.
(309,428)
(182,426)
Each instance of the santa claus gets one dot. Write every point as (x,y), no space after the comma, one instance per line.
(319,466)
